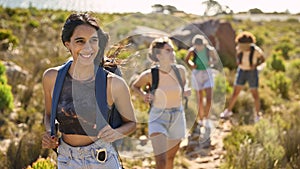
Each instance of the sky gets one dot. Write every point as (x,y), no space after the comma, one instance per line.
(196,6)
(144,6)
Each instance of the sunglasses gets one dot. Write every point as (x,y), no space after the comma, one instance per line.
(101,155)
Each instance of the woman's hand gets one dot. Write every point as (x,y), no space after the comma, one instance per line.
(148,97)
(49,141)
(187,93)
(109,134)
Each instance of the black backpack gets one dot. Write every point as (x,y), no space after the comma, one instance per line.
(155,80)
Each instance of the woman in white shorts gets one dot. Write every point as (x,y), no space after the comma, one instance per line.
(199,58)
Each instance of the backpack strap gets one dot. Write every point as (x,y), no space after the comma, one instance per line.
(101,96)
(177,73)
(240,55)
(155,78)
(251,54)
(63,70)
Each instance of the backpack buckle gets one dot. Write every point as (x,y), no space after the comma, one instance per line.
(101,155)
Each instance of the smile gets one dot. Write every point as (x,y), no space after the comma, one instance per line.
(86,55)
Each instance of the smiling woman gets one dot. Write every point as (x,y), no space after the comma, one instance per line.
(86,137)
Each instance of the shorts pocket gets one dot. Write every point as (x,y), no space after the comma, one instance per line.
(62,161)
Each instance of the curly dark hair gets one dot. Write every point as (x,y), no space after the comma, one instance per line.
(245,37)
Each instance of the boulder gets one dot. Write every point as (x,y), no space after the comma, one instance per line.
(219,33)
(15,74)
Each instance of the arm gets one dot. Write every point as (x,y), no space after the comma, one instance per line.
(188,60)
(144,79)
(48,82)
(118,93)
(259,54)
(213,55)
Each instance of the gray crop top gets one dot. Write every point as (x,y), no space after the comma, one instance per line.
(77,107)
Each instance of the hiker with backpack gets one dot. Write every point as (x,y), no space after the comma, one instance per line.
(249,56)
(200,57)
(80,95)
(167,123)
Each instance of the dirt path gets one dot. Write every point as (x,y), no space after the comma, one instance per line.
(211,157)
(199,158)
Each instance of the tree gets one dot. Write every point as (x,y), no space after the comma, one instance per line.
(158,8)
(212,7)
(255,11)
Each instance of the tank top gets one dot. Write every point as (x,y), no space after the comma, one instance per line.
(168,92)
(77,107)
(201,60)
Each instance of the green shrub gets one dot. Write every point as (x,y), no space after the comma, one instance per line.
(221,88)
(6,96)
(43,163)
(34,23)
(280,84)
(285,47)
(276,63)
(293,72)
(7,37)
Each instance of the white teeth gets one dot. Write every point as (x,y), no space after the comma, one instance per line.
(86,56)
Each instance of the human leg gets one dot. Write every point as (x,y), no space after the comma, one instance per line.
(228,112)
(236,91)
(200,105)
(255,95)
(171,153)
(208,93)
(159,145)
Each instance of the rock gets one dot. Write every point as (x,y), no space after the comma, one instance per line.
(15,74)
(220,34)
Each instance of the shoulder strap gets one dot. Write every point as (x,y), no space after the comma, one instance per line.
(177,73)
(101,96)
(195,55)
(251,54)
(111,116)
(207,52)
(56,93)
(155,78)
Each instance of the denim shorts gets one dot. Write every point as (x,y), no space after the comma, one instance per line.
(170,122)
(84,157)
(202,79)
(250,76)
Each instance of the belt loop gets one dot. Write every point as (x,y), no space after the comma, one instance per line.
(70,153)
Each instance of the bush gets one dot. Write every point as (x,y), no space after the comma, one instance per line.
(7,38)
(280,84)
(276,63)
(43,163)
(6,96)
(293,72)
(285,47)
(34,23)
